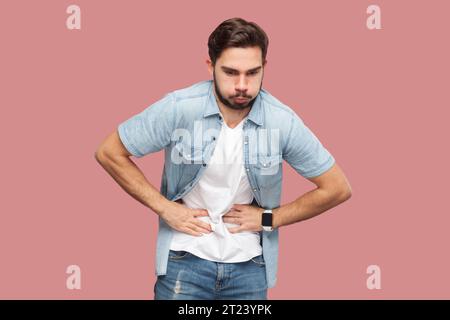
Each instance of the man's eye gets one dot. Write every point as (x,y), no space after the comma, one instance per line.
(233,73)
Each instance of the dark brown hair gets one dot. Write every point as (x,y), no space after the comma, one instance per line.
(236,32)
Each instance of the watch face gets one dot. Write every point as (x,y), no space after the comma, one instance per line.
(267,219)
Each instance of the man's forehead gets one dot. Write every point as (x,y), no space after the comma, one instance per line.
(238,54)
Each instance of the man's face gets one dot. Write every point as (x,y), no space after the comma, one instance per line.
(238,73)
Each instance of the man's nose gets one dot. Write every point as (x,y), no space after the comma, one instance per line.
(241,86)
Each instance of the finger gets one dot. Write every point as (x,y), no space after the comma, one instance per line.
(231,220)
(191,232)
(237,207)
(200,213)
(235,229)
(201,226)
(232,214)
(201,231)
(233,211)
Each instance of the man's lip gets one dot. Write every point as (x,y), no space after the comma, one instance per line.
(241,99)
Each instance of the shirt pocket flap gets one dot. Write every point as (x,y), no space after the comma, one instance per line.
(268,164)
(187,153)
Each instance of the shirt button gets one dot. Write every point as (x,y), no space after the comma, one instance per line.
(245,142)
(248,169)
(254,189)
(204,164)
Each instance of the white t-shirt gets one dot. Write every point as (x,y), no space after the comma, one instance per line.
(223,183)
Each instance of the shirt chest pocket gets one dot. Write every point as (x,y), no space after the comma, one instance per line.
(186,153)
(268,170)
(188,159)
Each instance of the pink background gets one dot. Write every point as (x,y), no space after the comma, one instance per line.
(377,99)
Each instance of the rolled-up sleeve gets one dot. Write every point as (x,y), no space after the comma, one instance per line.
(150,130)
(304,152)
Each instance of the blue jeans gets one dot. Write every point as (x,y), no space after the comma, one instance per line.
(192,278)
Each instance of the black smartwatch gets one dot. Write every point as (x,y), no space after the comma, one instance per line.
(267,220)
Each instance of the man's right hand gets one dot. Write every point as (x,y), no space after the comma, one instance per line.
(184,219)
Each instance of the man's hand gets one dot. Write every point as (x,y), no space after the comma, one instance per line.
(248,218)
(184,219)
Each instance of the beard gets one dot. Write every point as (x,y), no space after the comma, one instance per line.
(229,103)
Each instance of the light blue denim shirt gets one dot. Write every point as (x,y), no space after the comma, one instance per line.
(186,122)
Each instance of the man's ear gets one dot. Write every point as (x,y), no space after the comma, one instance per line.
(210,66)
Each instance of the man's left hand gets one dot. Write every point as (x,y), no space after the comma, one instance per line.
(248,218)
